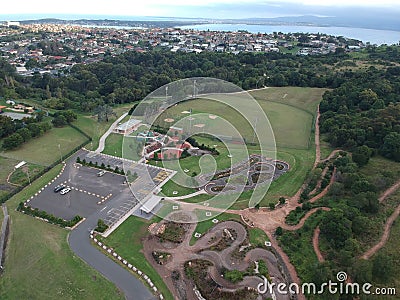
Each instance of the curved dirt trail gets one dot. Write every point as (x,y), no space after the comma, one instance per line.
(317,143)
(304,219)
(268,220)
(316,245)
(388,224)
(385,235)
(389,191)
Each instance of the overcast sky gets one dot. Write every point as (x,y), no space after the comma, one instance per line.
(189,8)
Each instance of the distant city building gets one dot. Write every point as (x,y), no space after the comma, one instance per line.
(12,23)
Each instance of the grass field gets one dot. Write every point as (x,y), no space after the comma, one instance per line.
(291,124)
(300,162)
(45,150)
(126,240)
(7,166)
(39,263)
(299,97)
(23,174)
(113,145)
(90,126)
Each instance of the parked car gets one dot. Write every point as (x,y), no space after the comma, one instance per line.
(64,191)
(101,173)
(59,188)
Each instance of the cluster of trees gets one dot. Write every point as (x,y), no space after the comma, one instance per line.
(361,110)
(16,132)
(362,114)
(349,224)
(63,118)
(132,75)
(192,141)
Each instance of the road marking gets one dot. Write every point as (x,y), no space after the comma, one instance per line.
(103,208)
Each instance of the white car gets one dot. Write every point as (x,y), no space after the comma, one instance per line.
(64,191)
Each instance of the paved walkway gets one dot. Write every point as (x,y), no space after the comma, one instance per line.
(201,192)
(102,140)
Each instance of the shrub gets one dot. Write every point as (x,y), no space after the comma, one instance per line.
(101,226)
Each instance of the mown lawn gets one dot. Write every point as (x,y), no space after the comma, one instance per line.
(300,97)
(39,263)
(46,149)
(90,126)
(126,241)
(113,145)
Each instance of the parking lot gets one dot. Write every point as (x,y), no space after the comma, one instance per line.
(90,193)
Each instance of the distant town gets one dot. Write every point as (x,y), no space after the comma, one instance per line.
(55,48)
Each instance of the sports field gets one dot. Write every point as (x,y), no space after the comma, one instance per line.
(290,111)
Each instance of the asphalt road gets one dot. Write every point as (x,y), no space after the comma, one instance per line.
(79,242)
(103,138)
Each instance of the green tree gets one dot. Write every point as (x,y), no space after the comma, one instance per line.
(391,146)
(361,155)
(59,121)
(13,141)
(104,113)
(25,134)
(382,267)
(336,228)
(7,126)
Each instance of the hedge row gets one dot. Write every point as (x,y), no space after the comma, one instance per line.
(48,217)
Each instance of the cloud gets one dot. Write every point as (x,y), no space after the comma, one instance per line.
(179,7)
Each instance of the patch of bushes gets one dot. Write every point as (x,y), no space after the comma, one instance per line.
(233,276)
(102,166)
(101,226)
(174,232)
(34,212)
(191,140)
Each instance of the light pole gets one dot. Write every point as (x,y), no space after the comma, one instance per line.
(26,170)
(194,89)
(255,129)
(59,149)
(262,77)
(27,174)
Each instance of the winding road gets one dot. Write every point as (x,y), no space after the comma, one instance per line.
(80,244)
(103,138)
